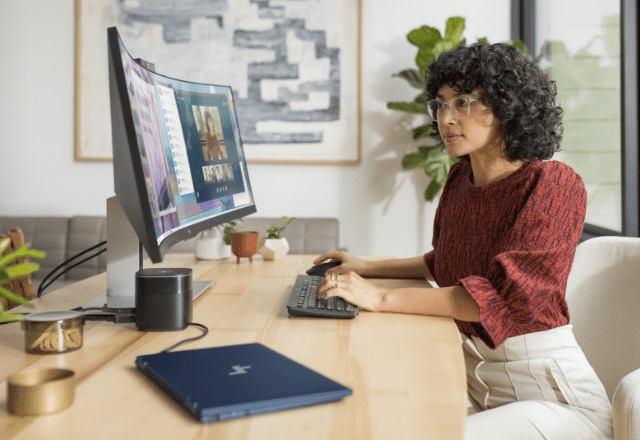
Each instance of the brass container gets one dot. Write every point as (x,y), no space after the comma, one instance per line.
(37,392)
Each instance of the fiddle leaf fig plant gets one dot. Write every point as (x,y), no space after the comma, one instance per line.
(12,266)
(430,43)
(431,158)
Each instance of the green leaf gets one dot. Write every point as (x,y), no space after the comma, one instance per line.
(411,161)
(21,269)
(424,36)
(443,46)
(520,45)
(410,107)
(432,190)
(413,77)
(13,297)
(22,251)
(422,131)
(10,317)
(424,58)
(454,29)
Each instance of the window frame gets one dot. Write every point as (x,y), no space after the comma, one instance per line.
(523,25)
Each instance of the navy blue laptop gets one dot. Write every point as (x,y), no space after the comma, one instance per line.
(223,383)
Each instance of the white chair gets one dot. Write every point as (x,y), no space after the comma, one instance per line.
(603,293)
(626,407)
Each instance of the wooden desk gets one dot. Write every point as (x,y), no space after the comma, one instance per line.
(406,372)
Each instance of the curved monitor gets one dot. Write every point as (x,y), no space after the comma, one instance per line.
(179,166)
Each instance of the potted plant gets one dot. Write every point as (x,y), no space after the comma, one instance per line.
(275,246)
(13,265)
(431,157)
(215,243)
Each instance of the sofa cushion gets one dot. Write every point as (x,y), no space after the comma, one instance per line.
(64,237)
(48,234)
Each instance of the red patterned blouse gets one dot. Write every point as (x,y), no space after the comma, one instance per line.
(511,245)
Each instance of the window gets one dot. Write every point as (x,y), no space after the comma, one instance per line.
(591,53)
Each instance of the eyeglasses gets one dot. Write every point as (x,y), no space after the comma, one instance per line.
(460,108)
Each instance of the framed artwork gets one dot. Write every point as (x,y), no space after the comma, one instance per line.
(293,65)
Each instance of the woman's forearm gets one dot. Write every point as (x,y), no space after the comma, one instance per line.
(454,302)
(414,268)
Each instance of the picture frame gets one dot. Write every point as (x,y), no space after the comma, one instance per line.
(294,68)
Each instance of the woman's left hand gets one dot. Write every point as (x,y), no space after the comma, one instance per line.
(352,288)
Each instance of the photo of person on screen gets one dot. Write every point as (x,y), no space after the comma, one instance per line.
(212,144)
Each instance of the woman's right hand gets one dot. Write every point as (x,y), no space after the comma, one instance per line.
(348,262)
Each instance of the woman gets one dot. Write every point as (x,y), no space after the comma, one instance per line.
(505,233)
(212,144)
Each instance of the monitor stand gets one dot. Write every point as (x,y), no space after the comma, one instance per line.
(124,259)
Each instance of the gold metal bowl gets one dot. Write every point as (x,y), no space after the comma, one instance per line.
(43,391)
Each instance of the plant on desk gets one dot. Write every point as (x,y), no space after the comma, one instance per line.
(13,267)
(215,243)
(276,246)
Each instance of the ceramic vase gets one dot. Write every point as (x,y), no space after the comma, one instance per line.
(274,249)
(210,245)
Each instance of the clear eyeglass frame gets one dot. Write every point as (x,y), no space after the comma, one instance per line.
(460,109)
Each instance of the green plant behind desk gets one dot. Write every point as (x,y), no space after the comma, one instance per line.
(275,232)
(432,158)
(226,229)
(12,266)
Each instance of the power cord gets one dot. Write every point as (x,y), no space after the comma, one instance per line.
(202,327)
(53,275)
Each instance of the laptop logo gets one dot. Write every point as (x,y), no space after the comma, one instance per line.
(237,369)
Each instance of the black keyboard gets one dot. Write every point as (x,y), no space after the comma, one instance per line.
(303,301)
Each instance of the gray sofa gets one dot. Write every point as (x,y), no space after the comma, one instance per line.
(63,237)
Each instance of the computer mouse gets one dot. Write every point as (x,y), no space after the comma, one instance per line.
(320,269)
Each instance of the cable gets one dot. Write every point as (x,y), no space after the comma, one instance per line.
(202,327)
(46,282)
(43,285)
(121,315)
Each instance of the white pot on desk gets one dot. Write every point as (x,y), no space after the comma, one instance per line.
(274,249)
(211,246)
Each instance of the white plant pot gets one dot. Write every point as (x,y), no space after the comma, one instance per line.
(274,249)
(211,246)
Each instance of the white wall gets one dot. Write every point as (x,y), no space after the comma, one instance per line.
(380,206)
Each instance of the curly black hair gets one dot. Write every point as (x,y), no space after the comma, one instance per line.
(511,83)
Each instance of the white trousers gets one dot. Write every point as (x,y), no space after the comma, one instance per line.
(534,386)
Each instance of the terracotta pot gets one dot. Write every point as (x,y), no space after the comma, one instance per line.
(244,244)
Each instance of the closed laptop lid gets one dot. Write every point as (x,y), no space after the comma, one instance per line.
(234,381)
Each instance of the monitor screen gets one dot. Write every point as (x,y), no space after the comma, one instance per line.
(179,164)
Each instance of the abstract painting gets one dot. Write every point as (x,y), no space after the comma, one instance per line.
(293,65)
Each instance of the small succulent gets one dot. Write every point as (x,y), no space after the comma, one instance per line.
(276,231)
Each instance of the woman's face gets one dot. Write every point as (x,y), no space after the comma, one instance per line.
(475,133)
